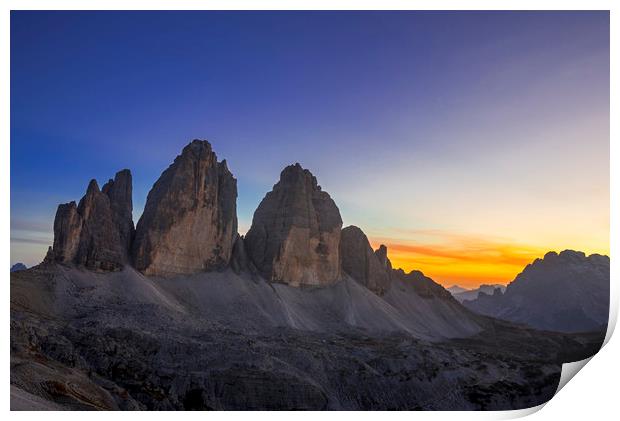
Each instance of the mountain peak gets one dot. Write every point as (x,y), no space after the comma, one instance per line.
(189,223)
(18,266)
(362,263)
(563,292)
(295,173)
(96,233)
(295,232)
(93,187)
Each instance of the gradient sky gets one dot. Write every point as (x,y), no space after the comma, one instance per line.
(468,142)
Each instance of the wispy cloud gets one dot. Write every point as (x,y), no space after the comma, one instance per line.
(40,241)
(18,224)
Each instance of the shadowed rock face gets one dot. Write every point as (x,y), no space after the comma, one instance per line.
(119,191)
(295,232)
(424,286)
(359,261)
(381,254)
(189,222)
(566,292)
(239,261)
(97,233)
(67,231)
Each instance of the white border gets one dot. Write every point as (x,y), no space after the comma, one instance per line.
(593,398)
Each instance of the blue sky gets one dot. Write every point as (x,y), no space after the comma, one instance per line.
(479,125)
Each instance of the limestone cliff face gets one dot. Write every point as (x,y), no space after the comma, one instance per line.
(295,232)
(119,192)
(67,231)
(189,222)
(369,268)
(96,234)
(381,254)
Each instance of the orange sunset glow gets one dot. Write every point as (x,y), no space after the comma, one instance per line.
(464,260)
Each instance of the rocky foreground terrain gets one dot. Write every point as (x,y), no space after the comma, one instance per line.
(184,313)
(81,340)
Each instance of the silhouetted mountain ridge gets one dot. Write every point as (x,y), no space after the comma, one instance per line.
(567,292)
(462,294)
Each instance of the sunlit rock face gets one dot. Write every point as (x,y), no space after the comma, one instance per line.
(189,222)
(295,232)
(96,233)
(369,268)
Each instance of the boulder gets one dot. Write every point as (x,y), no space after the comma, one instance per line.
(295,232)
(189,223)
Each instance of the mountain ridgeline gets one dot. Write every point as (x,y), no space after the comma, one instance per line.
(463,294)
(566,292)
(189,226)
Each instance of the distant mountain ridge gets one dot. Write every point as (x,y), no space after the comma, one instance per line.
(566,292)
(18,266)
(462,294)
(456,289)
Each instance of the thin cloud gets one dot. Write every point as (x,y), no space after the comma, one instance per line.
(453,257)
(29,225)
(38,241)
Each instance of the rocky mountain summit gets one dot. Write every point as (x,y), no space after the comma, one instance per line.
(295,232)
(189,222)
(370,268)
(566,292)
(96,233)
(119,191)
(189,227)
(18,266)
